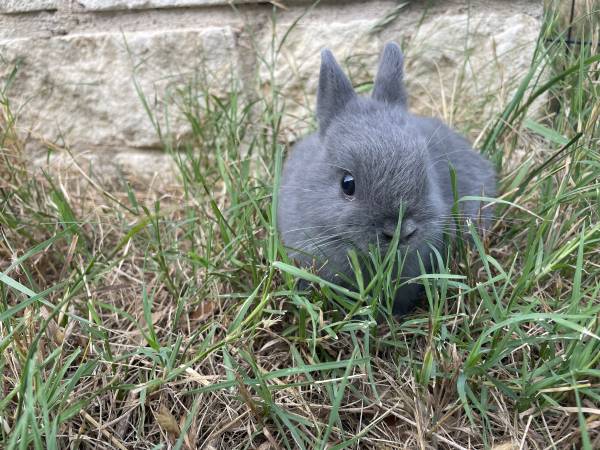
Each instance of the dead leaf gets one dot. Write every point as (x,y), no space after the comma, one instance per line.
(167,422)
(203,311)
(593,424)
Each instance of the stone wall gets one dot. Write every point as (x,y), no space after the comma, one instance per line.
(83,65)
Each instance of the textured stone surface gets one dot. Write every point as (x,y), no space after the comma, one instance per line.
(17,6)
(80,89)
(466,67)
(75,84)
(460,63)
(107,5)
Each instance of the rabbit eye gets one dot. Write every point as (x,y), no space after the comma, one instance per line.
(348,184)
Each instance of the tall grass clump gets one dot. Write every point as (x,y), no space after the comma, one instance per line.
(174,319)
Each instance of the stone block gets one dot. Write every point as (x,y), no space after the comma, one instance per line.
(463,61)
(461,64)
(20,6)
(466,67)
(80,90)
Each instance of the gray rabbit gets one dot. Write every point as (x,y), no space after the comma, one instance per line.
(343,187)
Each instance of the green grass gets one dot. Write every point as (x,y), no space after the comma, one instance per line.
(136,322)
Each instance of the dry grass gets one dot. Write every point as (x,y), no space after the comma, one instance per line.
(172,319)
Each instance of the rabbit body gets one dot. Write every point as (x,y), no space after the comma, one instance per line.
(343,187)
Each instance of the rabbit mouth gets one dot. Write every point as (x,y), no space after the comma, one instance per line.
(385,240)
(383,245)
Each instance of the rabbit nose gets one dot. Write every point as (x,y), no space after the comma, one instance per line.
(409,227)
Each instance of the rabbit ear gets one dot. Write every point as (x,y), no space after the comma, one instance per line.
(389,84)
(335,90)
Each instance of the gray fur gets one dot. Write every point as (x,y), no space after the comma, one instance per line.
(389,83)
(397,159)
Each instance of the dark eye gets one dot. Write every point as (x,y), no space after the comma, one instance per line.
(348,184)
